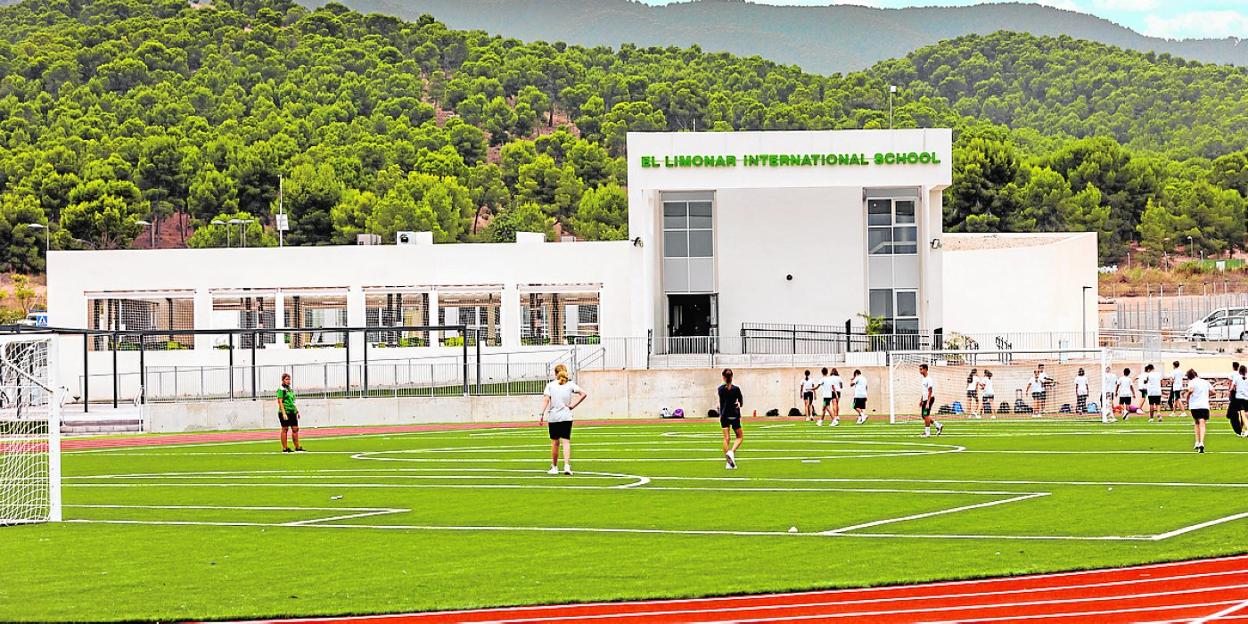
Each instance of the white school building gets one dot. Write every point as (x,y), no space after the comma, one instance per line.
(728,232)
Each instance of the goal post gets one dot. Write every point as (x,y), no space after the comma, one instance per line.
(997,384)
(30,430)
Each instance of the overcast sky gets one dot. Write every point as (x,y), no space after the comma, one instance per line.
(1175,19)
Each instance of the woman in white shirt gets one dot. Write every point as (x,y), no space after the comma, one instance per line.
(558,400)
(1036,387)
(1176,388)
(859,383)
(1125,392)
(1152,389)
(987,393)
(1081,393)
(1197,399)
(808,395)
(973,406)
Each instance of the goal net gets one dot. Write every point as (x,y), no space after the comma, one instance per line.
(29,432)
(999,384)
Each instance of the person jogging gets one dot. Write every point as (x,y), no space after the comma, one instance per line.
(730,403)
(288,415)
(1197,399)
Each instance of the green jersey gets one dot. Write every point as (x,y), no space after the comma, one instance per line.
(287,398)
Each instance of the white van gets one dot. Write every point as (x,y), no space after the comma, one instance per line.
(1224,324)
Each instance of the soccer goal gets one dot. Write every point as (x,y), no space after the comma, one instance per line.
(30,437)
(999,384)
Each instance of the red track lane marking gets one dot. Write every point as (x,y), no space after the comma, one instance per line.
(320,432)
(1191,590)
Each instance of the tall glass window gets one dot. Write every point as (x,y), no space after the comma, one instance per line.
(687,231)
(892,227)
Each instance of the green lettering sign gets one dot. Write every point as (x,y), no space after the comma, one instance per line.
(702,161)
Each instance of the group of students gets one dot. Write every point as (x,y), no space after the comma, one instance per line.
(1120,392)
(830,388)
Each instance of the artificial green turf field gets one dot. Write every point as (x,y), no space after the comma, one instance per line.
(451,519)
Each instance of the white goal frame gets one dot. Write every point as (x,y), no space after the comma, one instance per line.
(995,357)
(17,377)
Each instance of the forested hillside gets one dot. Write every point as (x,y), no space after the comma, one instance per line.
(841,37)
(115,111)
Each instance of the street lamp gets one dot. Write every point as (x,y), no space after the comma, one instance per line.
(148,225)
(242,229)
(1084,313)
(227,229)
(47,244)
(891,90)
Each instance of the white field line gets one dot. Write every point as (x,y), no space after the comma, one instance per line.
(473,486)
(1201,525)
(1081,614)
(894,612)
(1063,538)
(450,433)
(362,514)
(234,507)
(941,512)
(1221,614)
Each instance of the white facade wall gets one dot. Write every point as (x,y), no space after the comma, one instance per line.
(804,221)
(1020,282)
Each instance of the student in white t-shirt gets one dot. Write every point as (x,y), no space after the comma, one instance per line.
(1152,389)
(1125,391)
(1197,399)
(828,388)
(1240,386)
(1035,386)
(1081,393)
(987,393)
(1109,388)
(972,393)
(927,399)
(1176,388)
(859,384)
(838,389)
(807,392)
(1045,383)
(558,400)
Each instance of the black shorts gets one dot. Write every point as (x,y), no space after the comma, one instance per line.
(291,419)
(1037,396)
(971,394)
(860,403)
(827,401)
(560,430)
(1124,400)
(1200,414)
(925,407)
(1154,399)
(730,423)
(1143,394)
(1175,395)
(808,396)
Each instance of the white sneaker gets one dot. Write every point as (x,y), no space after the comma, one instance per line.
(553,470)
(939,428)
(925,435)
(730,466)
(836,422)
(732,459)
(861,420)
(819,423)
(567,470)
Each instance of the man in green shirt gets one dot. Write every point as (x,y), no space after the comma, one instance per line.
(288,414)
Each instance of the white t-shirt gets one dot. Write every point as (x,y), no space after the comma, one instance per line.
(1081,385)
(860,387)
(1124,387)
(560,397)
(1111,381)
(1036,385)
(1176,380)
(1152,382)
(1241,388)
(828,385)
(837,383)
(925,387)
(809,385)
(987,381)
(973,384)
(1199,394)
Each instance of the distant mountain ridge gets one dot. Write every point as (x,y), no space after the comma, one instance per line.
(827,39)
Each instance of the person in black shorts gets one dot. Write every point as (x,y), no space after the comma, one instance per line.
(288,414)
(730,403)
(1197,399)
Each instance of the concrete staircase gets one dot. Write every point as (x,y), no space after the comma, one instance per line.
(101,419)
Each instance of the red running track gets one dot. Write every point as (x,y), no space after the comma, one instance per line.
(1194,592)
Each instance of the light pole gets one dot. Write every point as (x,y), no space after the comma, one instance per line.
(1189,244)
(891,90)
(242,229)
(1084,314)
(148,225)
(228,231)
(47,236)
